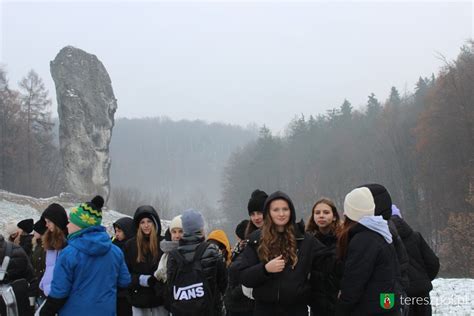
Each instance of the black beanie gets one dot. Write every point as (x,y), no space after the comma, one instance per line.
(57,214)
(26,225)
(40,226)
(256,202)
(382,200)
(240,229)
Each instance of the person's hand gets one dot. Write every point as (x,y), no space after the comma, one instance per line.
(275,265)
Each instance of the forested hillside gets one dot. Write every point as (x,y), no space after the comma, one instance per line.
(419,145)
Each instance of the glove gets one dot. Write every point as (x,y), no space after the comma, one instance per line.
(143,280)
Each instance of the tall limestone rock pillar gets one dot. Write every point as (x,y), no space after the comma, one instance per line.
(86,106)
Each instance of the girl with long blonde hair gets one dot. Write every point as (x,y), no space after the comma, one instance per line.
(142,255)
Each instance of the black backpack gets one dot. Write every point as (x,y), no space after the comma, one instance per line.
(190,291)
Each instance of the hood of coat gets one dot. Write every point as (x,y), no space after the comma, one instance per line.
(220,236)
(127,225)
(149,212)
(278,195)
(93,241)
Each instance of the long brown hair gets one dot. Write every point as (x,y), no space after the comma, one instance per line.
(54,240)
(313,228)
(147,244)
(273,244)
(343,237)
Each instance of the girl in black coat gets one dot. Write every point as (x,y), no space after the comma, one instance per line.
(369,284)
(323,224)
(142,255)
(277,261)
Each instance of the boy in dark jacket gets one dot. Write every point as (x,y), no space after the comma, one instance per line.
(212,262)
(423,268)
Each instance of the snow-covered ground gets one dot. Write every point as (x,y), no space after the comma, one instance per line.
(453,297)
(15,207)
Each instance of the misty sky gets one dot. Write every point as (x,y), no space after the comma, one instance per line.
(239,62)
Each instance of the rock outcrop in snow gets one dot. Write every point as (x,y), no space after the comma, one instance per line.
(86,106)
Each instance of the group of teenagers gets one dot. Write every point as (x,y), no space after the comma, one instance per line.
(367,262)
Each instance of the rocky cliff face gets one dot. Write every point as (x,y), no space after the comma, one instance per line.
(86,106)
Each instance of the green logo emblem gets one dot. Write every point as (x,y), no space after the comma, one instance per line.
(387,300)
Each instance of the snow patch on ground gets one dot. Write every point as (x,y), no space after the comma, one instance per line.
(453,297)
(15,207)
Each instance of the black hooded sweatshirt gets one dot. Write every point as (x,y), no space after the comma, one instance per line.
(286,292)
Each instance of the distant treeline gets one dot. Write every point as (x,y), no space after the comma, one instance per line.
(419,145)
(172,164)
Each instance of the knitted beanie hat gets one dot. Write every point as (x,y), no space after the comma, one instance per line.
(87,214)
(10,228)
(56,214)
(382,199)
(193,221)
(359,203)
(176,223)
(240,229)
(256,201)
(26,225)
(40,226)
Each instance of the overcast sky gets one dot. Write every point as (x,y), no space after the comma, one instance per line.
(239,62)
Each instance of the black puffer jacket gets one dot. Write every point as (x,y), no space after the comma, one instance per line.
(153,294)
(287,292)
(424,264)
(20,268)
(370,268)
(213,266)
